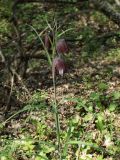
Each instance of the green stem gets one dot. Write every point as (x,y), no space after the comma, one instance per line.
(56,115)
(47,54)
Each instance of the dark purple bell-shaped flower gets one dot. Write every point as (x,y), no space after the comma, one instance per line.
(62,46)
(59,65)
(48,40)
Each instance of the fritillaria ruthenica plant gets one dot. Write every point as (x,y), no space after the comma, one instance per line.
(55,49)
(58,66)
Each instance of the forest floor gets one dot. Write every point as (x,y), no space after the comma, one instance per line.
(88,97)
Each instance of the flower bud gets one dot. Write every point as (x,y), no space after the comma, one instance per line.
(62,47)
(59,65)
(48,40)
